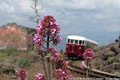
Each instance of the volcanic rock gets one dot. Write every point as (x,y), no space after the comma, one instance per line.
(108,57)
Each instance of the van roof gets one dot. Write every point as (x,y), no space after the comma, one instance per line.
(76,37)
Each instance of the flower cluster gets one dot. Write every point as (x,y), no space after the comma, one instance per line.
(58,38)
(62,72)
(61,64)
(50,23)
(54,58)
(82,66)
(91,67)
(22,74)
(88,55)
(40,76)
(48,27)
(38,39)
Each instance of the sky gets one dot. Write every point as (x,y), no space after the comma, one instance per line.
(74,16)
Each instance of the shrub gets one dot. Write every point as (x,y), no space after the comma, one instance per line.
(93,62)
(110,57)
(24,63)
(11,51)
(95,48)
(2,57)
(14,59)
(30,52)
(117,74)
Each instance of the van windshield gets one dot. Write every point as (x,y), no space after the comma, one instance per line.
(68,40)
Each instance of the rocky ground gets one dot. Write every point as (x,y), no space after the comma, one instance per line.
(107,58)
(10,65)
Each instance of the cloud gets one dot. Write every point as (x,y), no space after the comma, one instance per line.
(73,4)
(99,16)
(65,22)
(16,18)
(22,5)
(113,28)
(4,7)
(77,15)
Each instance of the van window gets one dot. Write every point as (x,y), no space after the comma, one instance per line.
(68,40)
(72,40)
(80,42)
(76,41)
(83,42)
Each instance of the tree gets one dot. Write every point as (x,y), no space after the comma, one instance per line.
(36,18)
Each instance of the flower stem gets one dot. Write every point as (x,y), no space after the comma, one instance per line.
(43,61)
(87,70)
(49,65)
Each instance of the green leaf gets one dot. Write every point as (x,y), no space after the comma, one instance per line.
(49,55)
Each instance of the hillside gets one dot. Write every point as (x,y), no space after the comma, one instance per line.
(14,35)
(107,58)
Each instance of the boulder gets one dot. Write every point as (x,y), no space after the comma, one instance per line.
(108,62)
(117,40)
(115,66)
(115,49)
(99,60)
(7,68)
(117,58)
(107,54)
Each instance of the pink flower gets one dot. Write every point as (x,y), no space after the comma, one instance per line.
(62,74)
(91,67)
(48,21)
(59,73)
(52,50)
(88,54)
(68,76)
(53,32)
(39,28)
(51,23)
(54,58)
(56,55)
(22,74)
(51,59)
(40,76)
(38,39)
(61,64)
(58,39)
(82,67)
